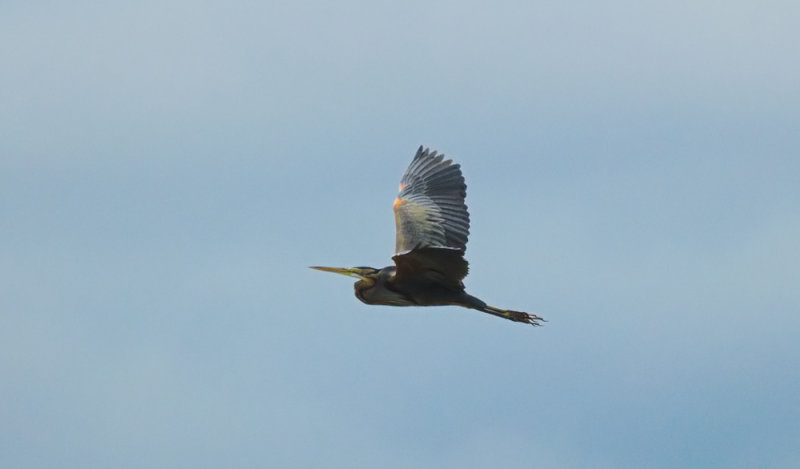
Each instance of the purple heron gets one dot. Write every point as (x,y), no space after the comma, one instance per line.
(432,227)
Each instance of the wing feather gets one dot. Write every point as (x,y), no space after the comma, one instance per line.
(432,222)
(430,210)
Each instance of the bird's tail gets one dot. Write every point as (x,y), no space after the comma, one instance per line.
(517,316)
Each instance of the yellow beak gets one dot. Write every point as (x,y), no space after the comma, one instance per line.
(349,271)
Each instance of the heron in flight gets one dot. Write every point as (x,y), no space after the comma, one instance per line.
(432,225)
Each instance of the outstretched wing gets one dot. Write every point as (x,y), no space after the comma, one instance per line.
(432,221)
(429,211)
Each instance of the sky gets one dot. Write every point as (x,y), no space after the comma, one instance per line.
(168,170)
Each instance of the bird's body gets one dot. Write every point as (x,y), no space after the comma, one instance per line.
(432,229)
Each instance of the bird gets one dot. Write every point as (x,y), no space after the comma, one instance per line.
(432,227)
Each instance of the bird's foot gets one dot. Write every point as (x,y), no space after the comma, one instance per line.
(517,316)
(529,318)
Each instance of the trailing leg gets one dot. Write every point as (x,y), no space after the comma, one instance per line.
(518,316)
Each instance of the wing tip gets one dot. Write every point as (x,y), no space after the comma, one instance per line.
(424,151)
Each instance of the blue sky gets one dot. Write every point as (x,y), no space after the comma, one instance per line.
(169,169)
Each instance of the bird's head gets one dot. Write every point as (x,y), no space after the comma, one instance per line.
(363,273)
(368,280)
